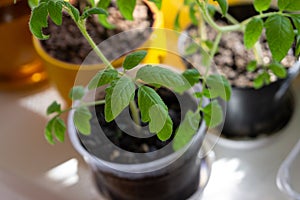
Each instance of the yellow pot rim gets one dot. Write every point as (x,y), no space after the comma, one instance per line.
(157,23)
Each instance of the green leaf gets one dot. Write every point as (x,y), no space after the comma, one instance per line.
(49,131)
(166,131)
(103,77)
(296,21)
(76,93)
(192,76)
(162,76)
(278,69)
(93,11)
(186,130)
(158,3)
(158,117)
(133,59)
(107,107)
(253,31)
(280,35)
(289,5)
(297,51)
(219,86)
(123,92)
(102,18)
(262,5)
(193,13)
(54,108)
(55,12)
(176,24)
(261,79)
(148,97)
(59,129)
(160,122)
(213,114)
(223,5)
(103,4)
(38,21)
(126,8)
(252,66)
(82,117)
(191,49)
(33,3)
(258,81)
(73,10)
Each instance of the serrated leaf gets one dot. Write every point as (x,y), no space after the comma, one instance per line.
(162,76)
(126,7)
(192,76)
(76,93)
(123,92)
(103,77)
(262,5)
(133,59)
(280,35)
(82,117)
(213,114)
(253,31)
(54,108)
(219,86)
(148,97)
(252,66)
(289,5)
(93,11)
(73,10)
(38,21)
(278,69)
(55,12)
(186,130)
(49,131)
(191,49)
(223,5)
(59,129)
(158,116)
(158,3)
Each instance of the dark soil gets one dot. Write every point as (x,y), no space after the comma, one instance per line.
(232,57)
(131,143)
(67,43)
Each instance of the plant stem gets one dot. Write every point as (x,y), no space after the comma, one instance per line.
(82,28)
(216,44)
(134,112)
(258,53)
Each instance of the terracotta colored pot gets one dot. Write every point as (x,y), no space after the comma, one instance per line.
(20,67)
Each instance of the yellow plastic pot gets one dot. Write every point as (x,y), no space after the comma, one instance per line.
(20,67)
(170,9)
(63,74)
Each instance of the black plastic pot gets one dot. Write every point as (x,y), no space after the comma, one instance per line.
(162,174)
(251,112)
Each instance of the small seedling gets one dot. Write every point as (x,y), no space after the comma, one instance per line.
(120,88)
(279,27)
